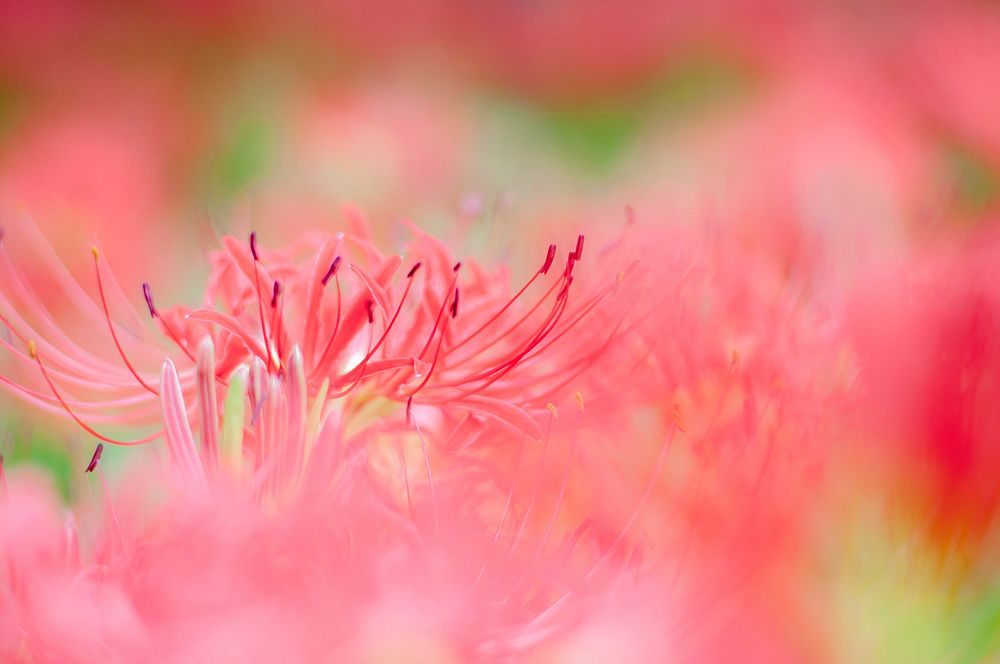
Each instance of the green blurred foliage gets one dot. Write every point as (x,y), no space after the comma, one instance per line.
(244,156)
(976,181)
(43,450)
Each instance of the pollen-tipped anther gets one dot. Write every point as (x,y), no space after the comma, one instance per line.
(678,420)
(570,263)
(275,292)
(96,458)
(33,349)
(147,293)
(334,266)
(413,270)
(550,256)
(458,266)
(454,305)
(253,245)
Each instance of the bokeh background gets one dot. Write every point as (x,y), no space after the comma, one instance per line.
(828,138)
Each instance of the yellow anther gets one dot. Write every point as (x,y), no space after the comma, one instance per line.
(620,277)
(95,252)
(552,409)
(579,400)
(675,415)
(33,350)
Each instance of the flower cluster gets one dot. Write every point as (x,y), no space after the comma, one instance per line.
(372,457)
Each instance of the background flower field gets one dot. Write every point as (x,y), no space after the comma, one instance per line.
(777,427)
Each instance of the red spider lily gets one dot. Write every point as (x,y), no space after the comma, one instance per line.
(326,323)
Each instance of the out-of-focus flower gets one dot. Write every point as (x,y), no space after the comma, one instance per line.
(927,338)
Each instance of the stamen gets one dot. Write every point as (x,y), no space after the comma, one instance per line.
(94,459)
(253,245)
(277,309)
(434,361)
(454,304)
(336,323)
(385,333)
(260,302)
(677,419)
(359,369)
(371,311)
(413,270)
(111,327)
(552,518)
(548,325)
(334,266)
(275,292)
(664,447)
(36,356)
(406,477)
(148,294)
(550,256)
(536,487)
(437,320)
(515,473)
(570,263)
(510,329)
(427,465)
(91,467)
(578,253)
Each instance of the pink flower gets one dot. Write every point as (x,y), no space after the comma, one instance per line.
(327,326)
(925,332)
(465,475)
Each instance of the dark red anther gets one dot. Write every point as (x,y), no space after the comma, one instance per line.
(147,293)
(454,304)
(253,245)
(579,247)
(457,267)
(550,256)
(409,408)
(413,270)
(371,311)
(275,292)
(334,266)
(94,459)
(570,262)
